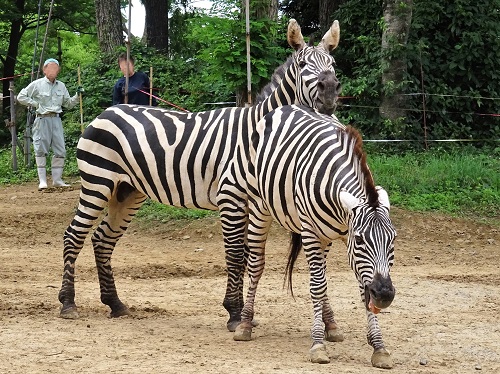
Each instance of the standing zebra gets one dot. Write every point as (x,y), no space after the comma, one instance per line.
(308,172)
(130,153)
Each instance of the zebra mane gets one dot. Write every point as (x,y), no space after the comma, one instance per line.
(357,140)
(276,79)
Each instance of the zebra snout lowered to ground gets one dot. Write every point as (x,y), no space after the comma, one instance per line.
(379,294)
(309,172)
(130,153)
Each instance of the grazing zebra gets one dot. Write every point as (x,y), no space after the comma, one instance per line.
(129,153)
(308,172)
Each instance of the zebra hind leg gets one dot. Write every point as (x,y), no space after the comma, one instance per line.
(89,208)
(123,207)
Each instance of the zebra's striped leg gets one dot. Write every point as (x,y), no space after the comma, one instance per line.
(381,357)
(234,219)
(318,290)
(87,213)
(258,228)
(233,229)
(123,206)
(332,332)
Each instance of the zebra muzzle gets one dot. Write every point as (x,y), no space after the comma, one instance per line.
(379,294)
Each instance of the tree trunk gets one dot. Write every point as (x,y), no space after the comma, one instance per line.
(397,17)
(9,64)
(326,8)
(156,25)
(109,24)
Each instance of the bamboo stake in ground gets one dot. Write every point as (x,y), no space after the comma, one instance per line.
(81,101)
(150,85)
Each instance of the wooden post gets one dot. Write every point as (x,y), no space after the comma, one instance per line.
(249,70)
(81,102)
(150,85)
(12,125)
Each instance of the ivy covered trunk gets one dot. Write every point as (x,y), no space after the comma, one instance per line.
(397,17)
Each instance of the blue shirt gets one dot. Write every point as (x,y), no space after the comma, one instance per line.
(138,81)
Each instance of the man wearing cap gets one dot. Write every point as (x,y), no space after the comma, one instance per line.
(49,95)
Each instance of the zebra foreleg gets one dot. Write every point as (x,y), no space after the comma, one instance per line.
(258,228)
(381,357)
(122,208)
(332,332)
(233,207)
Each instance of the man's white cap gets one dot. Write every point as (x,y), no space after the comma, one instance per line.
(49,60)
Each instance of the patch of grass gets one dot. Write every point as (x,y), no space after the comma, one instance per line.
(462,182)
(154,211)
(456,183)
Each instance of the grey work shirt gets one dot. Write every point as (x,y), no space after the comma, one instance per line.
(47,97)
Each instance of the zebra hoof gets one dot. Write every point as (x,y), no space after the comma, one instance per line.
(243,333)
(334,335)
(381,358)
(232,325)
(318,354)
(122,312)
(69,313)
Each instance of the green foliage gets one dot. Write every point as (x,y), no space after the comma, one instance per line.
(453,46)
(223,49)
(460,181)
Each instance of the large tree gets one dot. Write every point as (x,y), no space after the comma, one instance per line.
(397,20)
(109,24)
(156,25)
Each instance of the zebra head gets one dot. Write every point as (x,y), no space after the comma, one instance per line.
(370,247)
(317,84)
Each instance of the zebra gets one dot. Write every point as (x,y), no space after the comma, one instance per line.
(308,172)
(130,153)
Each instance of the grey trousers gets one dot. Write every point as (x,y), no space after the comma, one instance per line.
(48,133)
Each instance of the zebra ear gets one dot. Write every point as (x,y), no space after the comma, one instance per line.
(383,197)
(348,201)
(331,39)
(294,35)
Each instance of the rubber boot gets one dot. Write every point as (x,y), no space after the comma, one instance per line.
(57,170)
(42,172)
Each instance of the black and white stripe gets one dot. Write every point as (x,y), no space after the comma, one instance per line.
(130,153)
(308,172)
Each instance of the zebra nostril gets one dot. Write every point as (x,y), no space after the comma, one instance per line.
(321,86)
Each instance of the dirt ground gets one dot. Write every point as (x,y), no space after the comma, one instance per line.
(444,319)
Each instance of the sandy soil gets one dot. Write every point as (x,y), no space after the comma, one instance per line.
(445,318)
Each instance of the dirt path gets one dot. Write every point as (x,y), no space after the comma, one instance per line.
(445,318)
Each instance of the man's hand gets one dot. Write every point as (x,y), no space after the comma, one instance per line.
(80,90)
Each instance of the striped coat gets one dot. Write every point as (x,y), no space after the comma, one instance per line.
(308,172)
(130,153)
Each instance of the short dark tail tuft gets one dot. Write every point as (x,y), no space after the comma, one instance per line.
(295,247)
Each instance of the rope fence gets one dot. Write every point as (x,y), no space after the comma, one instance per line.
(342,105)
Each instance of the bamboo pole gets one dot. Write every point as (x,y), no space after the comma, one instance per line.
(81,100)
(249,70)
(12,125)
(150,85)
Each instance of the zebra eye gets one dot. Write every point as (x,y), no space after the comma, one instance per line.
(358,239)
(302,63)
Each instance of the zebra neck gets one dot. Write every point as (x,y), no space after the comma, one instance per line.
(283,94)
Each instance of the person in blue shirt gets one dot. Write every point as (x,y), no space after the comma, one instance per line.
(137,82)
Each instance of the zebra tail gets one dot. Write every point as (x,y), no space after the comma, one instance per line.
(295,247)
